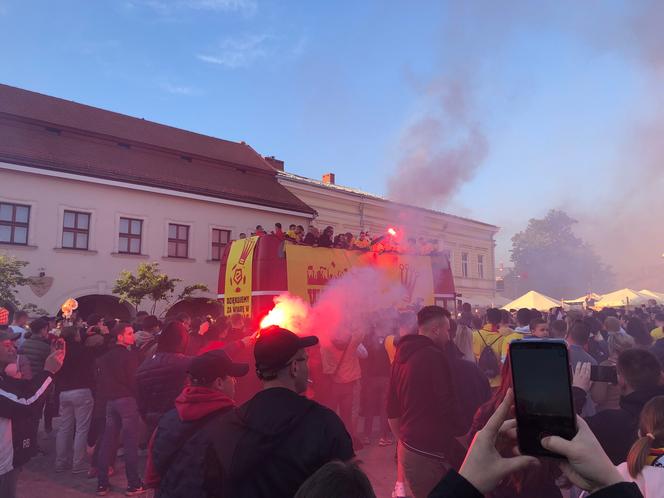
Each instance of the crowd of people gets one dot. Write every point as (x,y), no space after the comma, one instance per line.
(223,411)
(315,237)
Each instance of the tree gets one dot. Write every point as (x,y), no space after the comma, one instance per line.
(151,284)
(11,277)
(549,258)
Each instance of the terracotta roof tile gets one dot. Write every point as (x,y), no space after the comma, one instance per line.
(93,142)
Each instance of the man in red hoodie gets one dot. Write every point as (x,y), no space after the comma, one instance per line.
(180,462)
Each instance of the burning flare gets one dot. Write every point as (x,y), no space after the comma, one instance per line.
(289,312)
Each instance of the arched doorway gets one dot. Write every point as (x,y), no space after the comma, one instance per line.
(105,305)
(197,306)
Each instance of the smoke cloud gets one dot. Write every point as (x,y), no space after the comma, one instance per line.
(345,305)
(444,146)
(441,150)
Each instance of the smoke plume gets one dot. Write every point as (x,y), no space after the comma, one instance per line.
(441,150)
(345,305)
(444,146)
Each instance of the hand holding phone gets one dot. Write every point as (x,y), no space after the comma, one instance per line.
(543,393)
(604,373)
(484,466)
(587,465)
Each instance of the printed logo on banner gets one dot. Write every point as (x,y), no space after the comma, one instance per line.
(237,297)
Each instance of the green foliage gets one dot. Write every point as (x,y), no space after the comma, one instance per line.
(151,284)
(550,258)
(11,277)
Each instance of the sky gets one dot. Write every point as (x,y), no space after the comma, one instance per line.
(556,92)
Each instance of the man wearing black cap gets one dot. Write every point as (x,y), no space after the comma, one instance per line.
(181,465)
(270,445)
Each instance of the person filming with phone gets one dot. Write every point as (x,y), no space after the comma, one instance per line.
(639,378)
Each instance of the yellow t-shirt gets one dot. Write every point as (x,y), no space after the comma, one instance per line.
(514,336)
(493,339)
(657,333)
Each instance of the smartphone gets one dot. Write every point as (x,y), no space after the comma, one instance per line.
(542,382)
(603,373)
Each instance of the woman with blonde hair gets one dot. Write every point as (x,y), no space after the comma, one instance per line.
(645,461)
(463,339)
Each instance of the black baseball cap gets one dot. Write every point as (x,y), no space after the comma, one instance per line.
(276,346)
(214,364)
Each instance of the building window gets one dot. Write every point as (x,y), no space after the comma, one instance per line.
(220,240)
(130,236)
(14,220)
(178,241)
(464,264)
(480,266)
(76,230)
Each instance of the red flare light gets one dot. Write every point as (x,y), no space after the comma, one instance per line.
(289,312)
(392,231)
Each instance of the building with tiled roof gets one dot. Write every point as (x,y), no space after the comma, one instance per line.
(86,193)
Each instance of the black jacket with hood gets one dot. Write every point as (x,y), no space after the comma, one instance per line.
(617,430)
(422,395)
(270,445)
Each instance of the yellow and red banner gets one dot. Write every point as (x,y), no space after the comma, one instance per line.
(310,269)
(237,296)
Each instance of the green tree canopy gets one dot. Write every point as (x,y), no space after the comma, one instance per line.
(548,257)
(151,284)
(11,277)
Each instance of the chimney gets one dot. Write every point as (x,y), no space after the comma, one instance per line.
(328,178)
(275,163)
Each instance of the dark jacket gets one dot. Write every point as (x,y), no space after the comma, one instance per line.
(325,241)
(181,451)
(455,486)
(270,445)
(422,395)
(116,374)
(617,430)
(310,239)
(472,386)
(21,401)
(658,350)
(196,343)
(377,363)
(78,369)
(160,380)
(36,349)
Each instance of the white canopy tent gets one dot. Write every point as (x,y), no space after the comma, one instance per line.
(533,299)
(657,296)
(622,297)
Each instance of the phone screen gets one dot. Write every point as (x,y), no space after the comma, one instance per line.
(542,392)
(603,373)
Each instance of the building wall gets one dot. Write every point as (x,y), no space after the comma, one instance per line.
(77,273)
(352,212)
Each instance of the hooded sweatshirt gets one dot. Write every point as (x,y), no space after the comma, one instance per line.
(422,396)
(616,430)
(270,445)
(179,455)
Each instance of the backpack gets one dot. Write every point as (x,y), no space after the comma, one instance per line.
(488,363)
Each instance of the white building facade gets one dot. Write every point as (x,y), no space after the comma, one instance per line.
(470,243)
(80,223)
